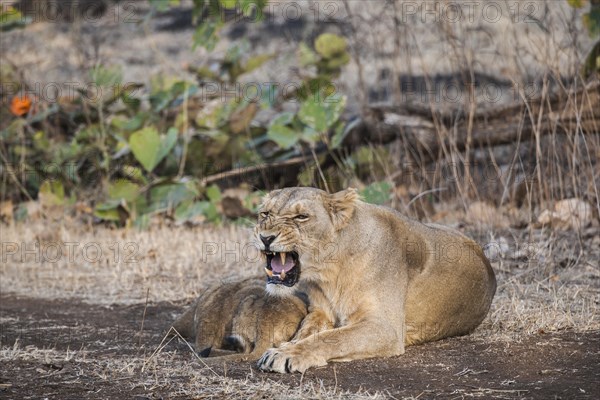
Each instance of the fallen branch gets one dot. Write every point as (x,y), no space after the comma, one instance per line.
(424,132)
(427,131)
(253,172)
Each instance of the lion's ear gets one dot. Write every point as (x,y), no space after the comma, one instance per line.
(341,206)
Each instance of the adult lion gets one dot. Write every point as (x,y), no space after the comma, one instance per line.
(376,281)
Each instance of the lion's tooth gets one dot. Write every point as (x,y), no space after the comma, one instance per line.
(282,257)
(269,272)
(282,275)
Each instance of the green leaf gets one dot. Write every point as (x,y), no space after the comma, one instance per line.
(167,143)
(363,155)
(40,141)
(591,66)
(335,63)
(204,73)
(139,206)
(268,96)
(142,222)
(211,213)
(228,4)
(180,89)
(160,100)
(306,55)
(250,7)
(128,124)
(338,136)
(283,136)
(309,135)
(106,77)
(11,18)
(335,106)
(123,190)
(377,193)
(108,211)
(52,193)
(206,35)
(148,147)
(134,174)
(170,195)
(320,114)
(256,62)
(330,45)
(108,215)
(145,145)
(108,205)
(160,83)
(576,3)
(213,193)
(190,209)
(314,114)
(21,150)
(163,5)
(592,20)
(236,51)
(284,118)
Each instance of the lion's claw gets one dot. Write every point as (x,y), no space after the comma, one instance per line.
(287,360)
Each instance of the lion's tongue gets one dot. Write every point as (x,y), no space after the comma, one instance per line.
(278,267)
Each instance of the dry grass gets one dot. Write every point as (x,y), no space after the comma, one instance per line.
(108,266)
(168,374)
(546,280)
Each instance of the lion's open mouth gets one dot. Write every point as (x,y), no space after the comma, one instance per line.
(282,268)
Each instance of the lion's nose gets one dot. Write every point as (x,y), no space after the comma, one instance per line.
(267,240)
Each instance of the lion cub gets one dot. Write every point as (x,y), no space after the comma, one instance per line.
(240,315)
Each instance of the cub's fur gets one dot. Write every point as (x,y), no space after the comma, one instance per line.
(239,315)
(376,281)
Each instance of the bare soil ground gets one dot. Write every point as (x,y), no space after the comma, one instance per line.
(68,349)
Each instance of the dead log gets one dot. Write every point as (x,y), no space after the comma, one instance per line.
(426,132)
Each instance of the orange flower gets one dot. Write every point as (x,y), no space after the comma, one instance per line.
(20,105)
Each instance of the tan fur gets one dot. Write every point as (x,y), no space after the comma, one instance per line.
(239,315)
(376,280)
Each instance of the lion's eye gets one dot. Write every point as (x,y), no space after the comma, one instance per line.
(301,217)
(264,214)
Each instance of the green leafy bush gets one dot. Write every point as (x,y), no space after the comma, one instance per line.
(144,152)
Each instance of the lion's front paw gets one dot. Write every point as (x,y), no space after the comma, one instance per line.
(313,324)
(288,359)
